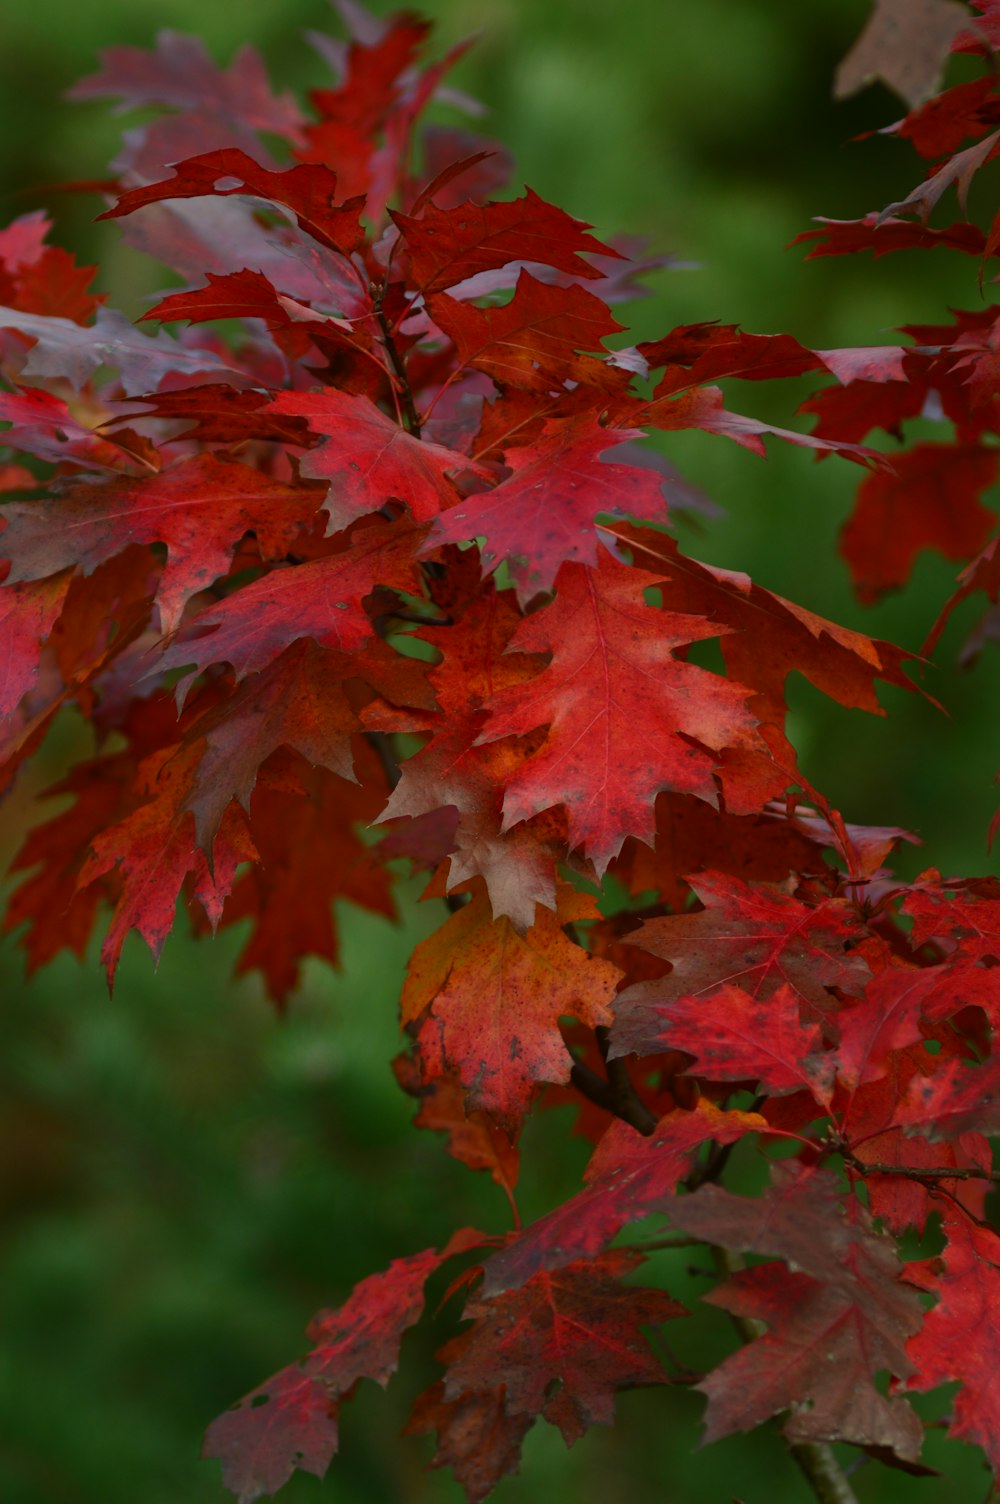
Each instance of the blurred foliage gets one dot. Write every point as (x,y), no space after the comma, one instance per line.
(185,1179)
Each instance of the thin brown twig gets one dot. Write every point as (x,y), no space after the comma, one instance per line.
(915,1172)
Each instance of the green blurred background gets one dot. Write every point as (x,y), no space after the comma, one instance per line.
(186,1178)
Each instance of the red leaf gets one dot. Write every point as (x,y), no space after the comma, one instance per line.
(759,938)
(321,600)
(180,72)
(703,408)
(930,499)
(496,998)
(960,1337)
(628,1177)
(562,1345)
(66,352)
(610,692)
(734,1037)
(531,342)
(303,822)
(543,516)
(961,1098)
(448,245)
(307,190)
(200,508)
(28,613)
(153,849)
(290,1421)
(477,1439)
(831,1326)
(368,458)
(844,237)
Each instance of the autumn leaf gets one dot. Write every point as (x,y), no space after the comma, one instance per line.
(612,688)
(543,515)
(447,246)
(308,190)
(290,1421)
(842,1314)
(563,1344)
(930,499)
(759,939)
(960,1337)
(628,1177)
(200,508)
(496,998)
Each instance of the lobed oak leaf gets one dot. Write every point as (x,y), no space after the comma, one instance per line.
(563,1344)
(768,637)
(22,242)
(477,1438)
(691,836)
(887,1018)
(153,849)
(301,700)
(321,600)
(906,44)
(308,191)
(244,294)
(756,937)
(474,1139)
(369,459)
(939,127)
(840,1314)
(42,424)
(496,998)
(958,170)
(28,612)
(930,499)
(532,342)
(628,1177)
(880,235)
(544,515)
(817,1361)
(625,718)
(517,866)
(734,1036)
(696,353)
(982,573)
(303,822)
(966,914)
(868,1122)
(199,507)
(452,774)
(960,1337)
(703,407)
(291,1420)
(59,912)
(853,411)
(63,350)
(960,1098)
(446,246)
(180,72)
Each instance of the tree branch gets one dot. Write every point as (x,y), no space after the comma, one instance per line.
(609,1095)
(914,1172)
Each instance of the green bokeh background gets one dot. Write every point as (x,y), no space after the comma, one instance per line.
(186,1178)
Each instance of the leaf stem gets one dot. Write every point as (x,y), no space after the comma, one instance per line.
(410,418)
